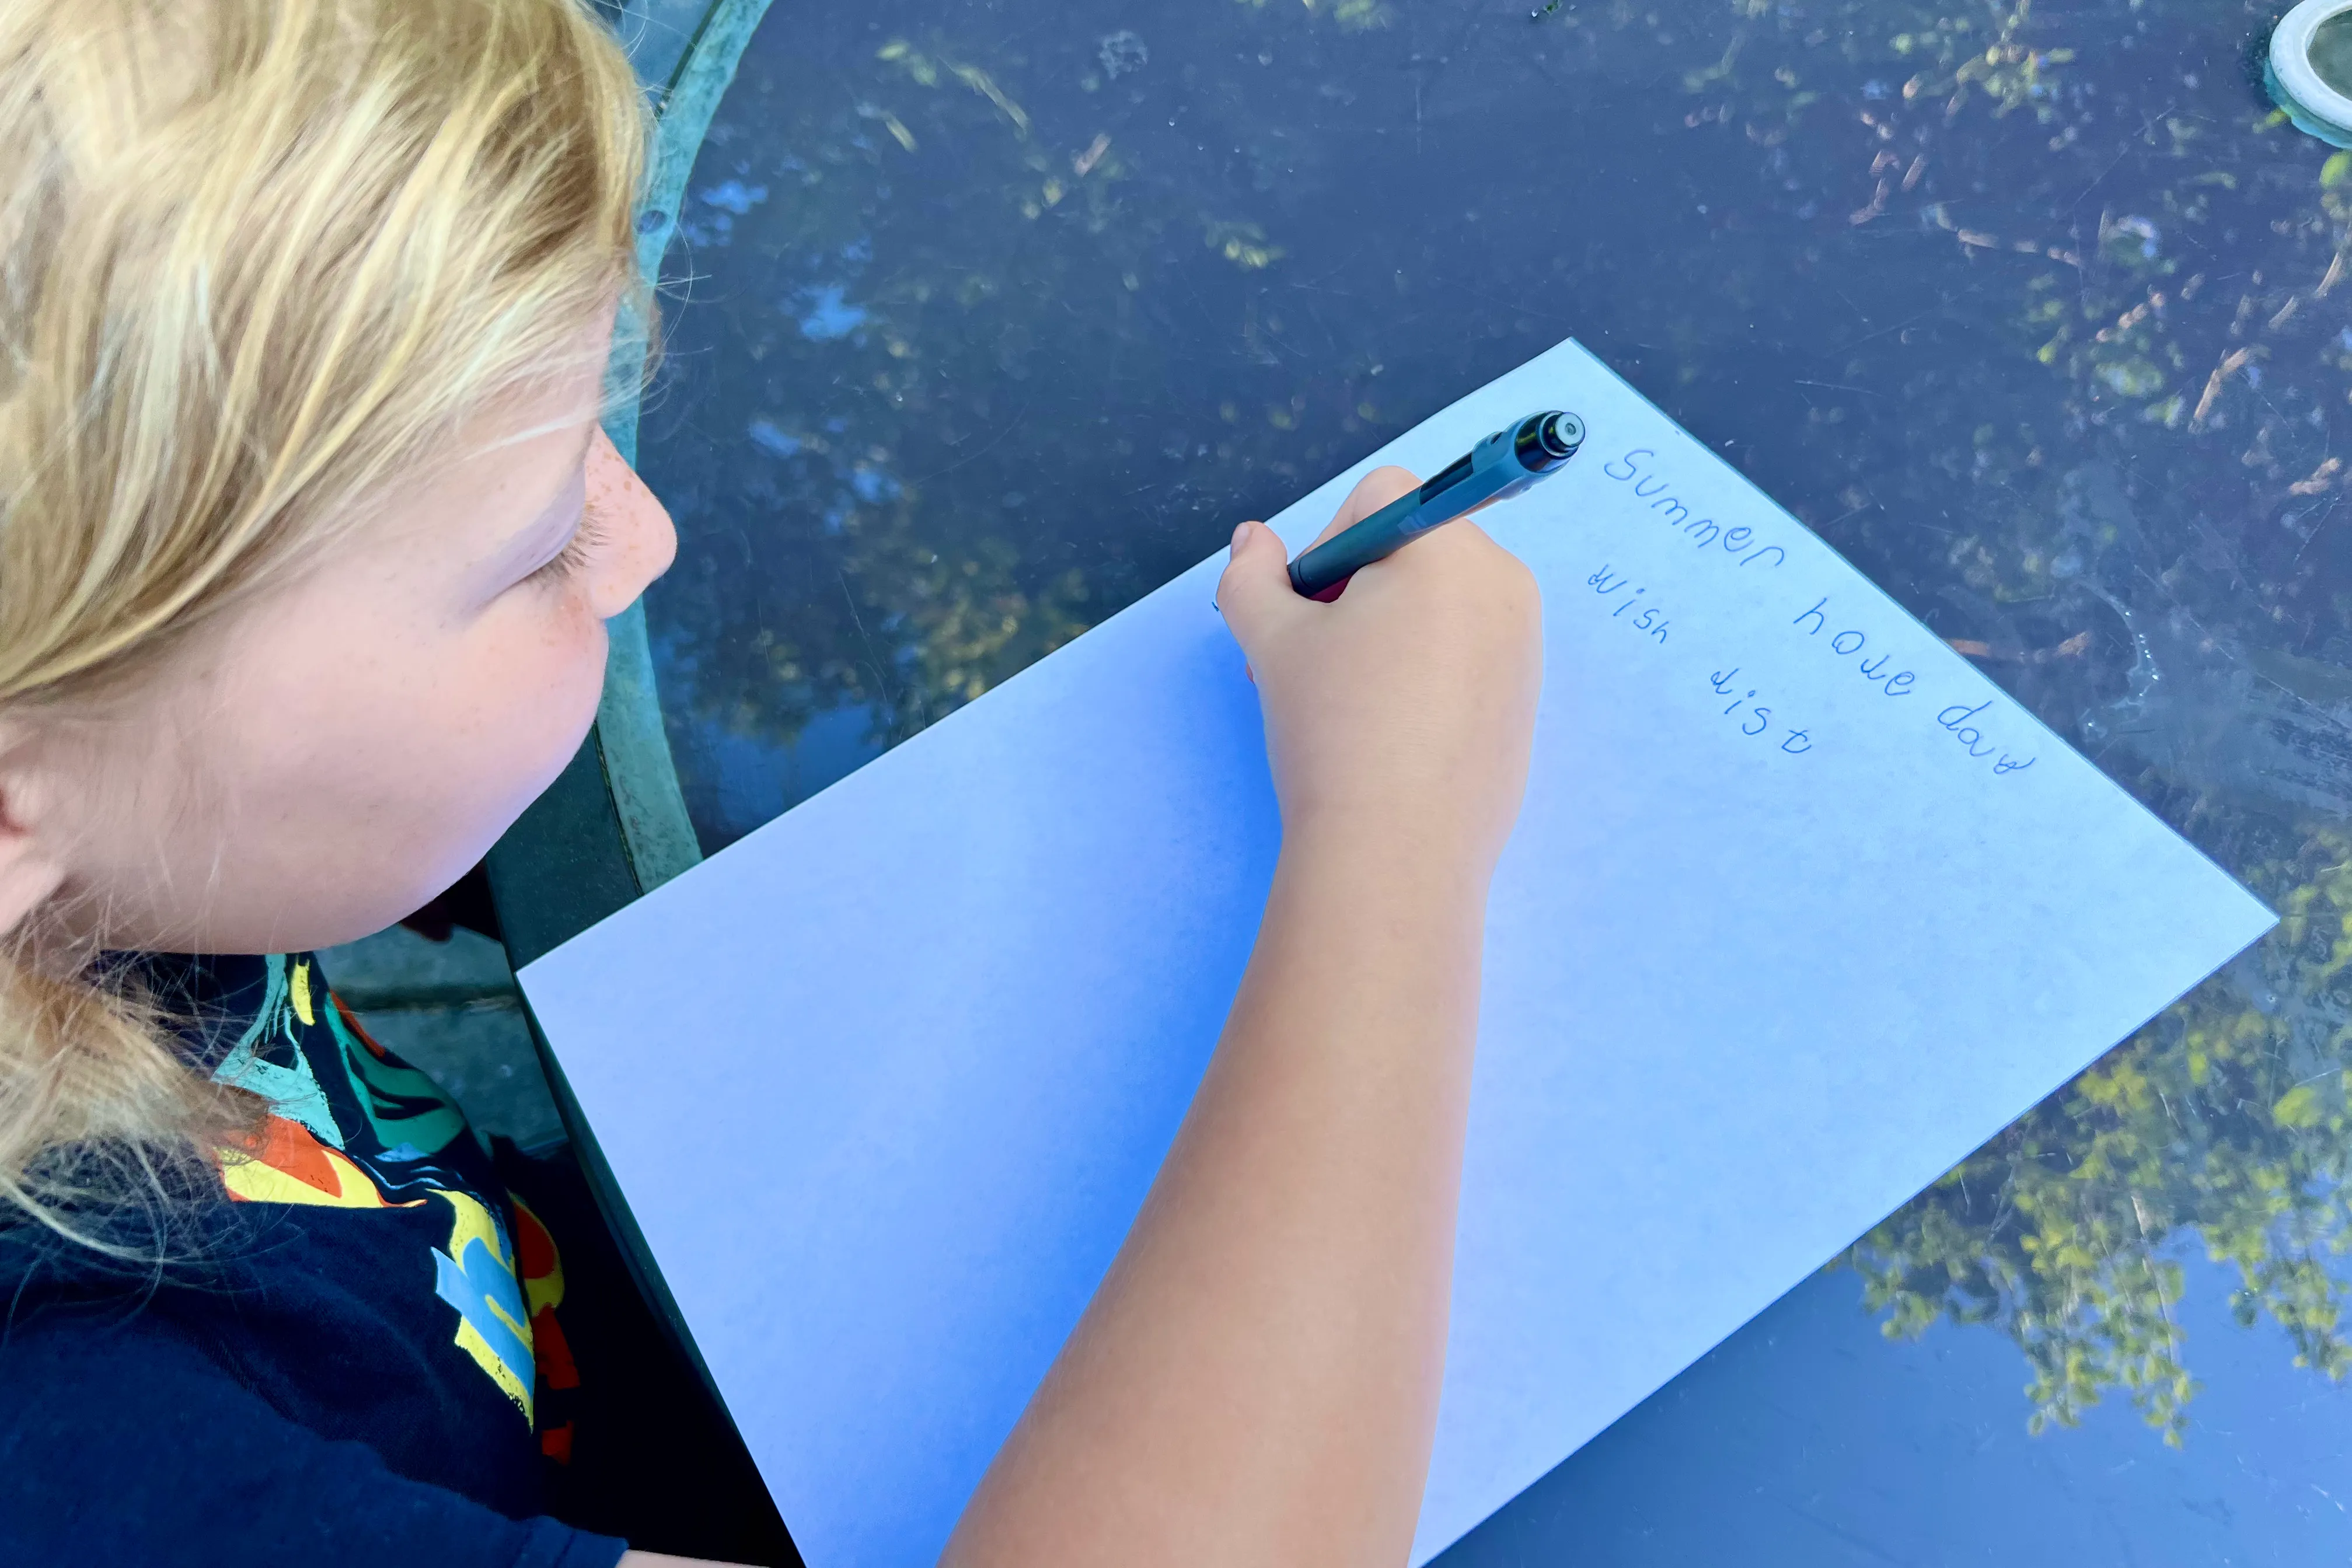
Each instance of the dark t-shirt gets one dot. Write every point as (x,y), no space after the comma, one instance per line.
(359,1358)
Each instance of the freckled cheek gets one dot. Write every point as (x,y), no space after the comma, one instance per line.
(570,660)
(534,689)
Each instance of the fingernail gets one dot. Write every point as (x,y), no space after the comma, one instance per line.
(1241,536)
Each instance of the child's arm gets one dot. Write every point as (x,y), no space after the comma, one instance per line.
(1256,1380)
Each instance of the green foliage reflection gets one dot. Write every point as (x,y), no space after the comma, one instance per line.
(2035,312)
(2224,1120)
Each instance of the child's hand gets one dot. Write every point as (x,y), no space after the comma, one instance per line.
(1403,710)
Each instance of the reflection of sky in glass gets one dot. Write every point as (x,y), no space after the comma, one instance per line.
(1809,1441)
(709,217)
(771,440)
(987,319)
(827,315)
(743,773)
(750,779)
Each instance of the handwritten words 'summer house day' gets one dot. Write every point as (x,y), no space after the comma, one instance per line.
(1822,628)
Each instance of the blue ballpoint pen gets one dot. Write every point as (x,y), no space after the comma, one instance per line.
(1497,468)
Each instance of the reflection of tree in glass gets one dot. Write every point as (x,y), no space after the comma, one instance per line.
(1009,338)
(2146,518)
(2034,314)
(928,344)
(1350,14)
(2225,1120)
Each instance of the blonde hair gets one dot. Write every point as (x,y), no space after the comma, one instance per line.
(259,258)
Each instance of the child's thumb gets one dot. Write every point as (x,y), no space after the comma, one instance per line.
(1254,593)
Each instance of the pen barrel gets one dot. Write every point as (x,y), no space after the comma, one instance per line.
(1497,468)
(1323,569)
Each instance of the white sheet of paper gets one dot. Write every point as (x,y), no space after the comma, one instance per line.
(1800,910)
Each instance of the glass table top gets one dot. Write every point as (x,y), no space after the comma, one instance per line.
(986,318)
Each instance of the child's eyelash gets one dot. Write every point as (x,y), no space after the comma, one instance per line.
(576,550)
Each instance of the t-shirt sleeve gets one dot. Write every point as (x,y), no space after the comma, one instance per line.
(121,1443)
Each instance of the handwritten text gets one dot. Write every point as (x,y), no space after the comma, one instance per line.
(1755,718)
(1849,643)
(1740,540)
(1630,607)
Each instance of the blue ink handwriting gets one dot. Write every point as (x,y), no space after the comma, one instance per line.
(1644,617)
(1955,719)
(1758,719)
(1739,540)
(1852,643)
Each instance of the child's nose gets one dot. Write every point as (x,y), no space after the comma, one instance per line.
(640,539)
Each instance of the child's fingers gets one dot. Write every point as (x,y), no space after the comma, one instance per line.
(1254,593)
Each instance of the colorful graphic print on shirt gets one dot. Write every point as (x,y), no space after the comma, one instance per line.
(307,1156)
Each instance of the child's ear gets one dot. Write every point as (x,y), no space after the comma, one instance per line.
(28,878)
(30,872)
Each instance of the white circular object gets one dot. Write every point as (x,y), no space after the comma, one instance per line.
(2290,62)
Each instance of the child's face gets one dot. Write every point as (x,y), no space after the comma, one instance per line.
(351,743)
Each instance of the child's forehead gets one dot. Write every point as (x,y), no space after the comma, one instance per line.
(504,481)
(567,390)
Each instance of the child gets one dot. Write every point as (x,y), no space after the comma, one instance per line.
(307,539)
